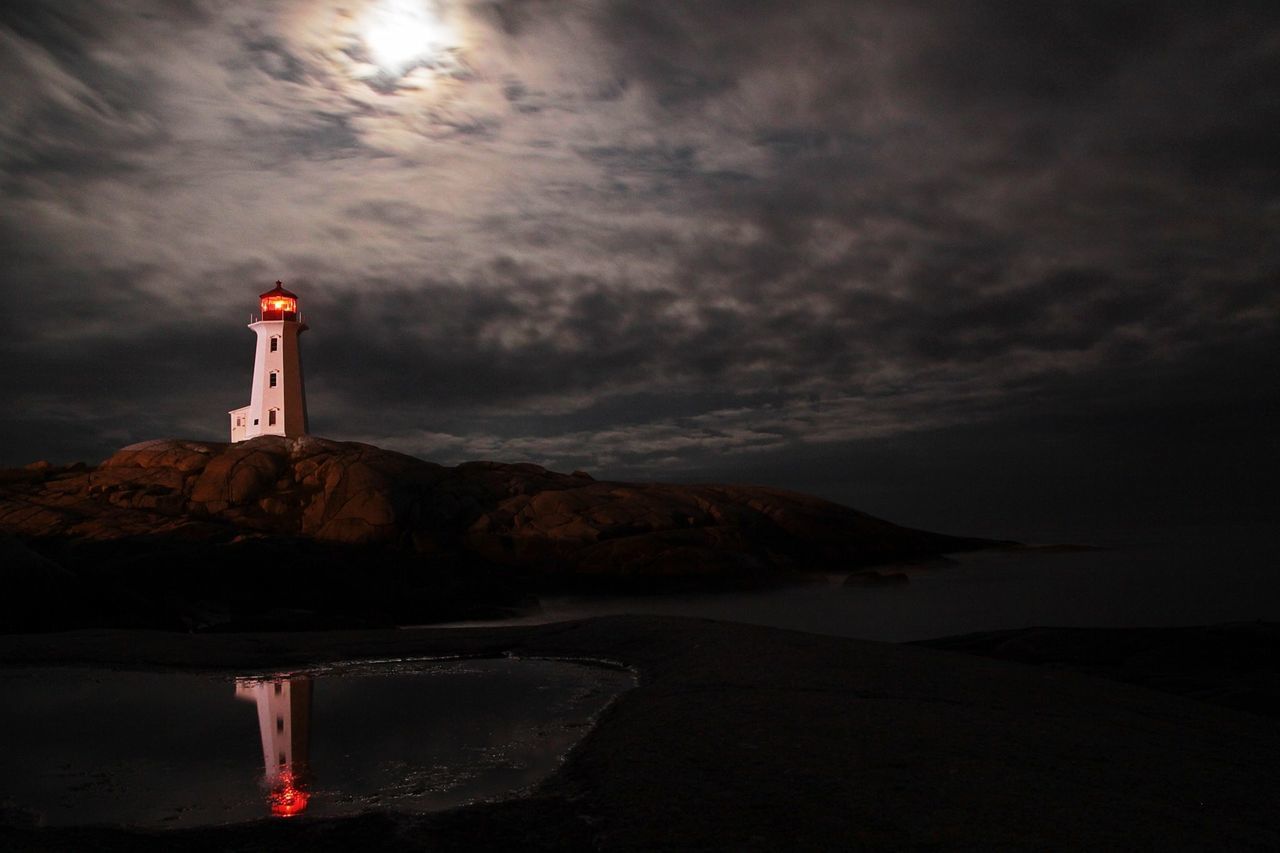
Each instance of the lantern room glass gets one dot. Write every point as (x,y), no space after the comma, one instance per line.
(277,307)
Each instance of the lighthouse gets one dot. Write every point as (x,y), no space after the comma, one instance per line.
(277,404)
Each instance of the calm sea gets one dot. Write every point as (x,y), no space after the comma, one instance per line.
(1175,576)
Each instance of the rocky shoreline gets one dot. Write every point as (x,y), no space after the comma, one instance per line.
(307,533)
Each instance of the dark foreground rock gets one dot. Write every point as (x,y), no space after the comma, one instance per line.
(194,535)
(1235,665)
(748,738)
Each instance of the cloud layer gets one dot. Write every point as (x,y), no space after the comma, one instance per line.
(648,238)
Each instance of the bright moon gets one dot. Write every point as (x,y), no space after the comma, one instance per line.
(401,33)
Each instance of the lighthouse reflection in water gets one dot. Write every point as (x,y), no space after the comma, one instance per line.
(284,724)
(170,750)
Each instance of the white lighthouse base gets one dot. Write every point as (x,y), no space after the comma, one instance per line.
(278,404)
(239,424)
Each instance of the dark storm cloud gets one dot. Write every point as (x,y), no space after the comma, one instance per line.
(391,212)
(647,237)
(314,136)
(65,112)
(272,57)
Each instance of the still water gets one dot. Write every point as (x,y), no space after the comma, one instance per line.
(1172,576)
(85,746)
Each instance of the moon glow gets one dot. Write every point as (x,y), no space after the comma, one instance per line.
(402,34)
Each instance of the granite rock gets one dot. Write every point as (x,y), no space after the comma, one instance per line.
(517,515)
(187,516)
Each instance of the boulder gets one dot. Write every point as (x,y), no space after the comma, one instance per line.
(237,476)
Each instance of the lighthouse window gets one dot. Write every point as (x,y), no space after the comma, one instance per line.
(273,379)
(275,344)
(271,417)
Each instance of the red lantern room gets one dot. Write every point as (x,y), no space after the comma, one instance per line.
(279,304)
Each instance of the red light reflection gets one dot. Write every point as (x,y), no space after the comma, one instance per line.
(286,798)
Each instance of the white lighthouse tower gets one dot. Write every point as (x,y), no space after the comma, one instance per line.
(277,405)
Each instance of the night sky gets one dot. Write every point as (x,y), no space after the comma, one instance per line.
(990,267)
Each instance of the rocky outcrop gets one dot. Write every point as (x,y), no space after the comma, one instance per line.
(517,521)
(516,515)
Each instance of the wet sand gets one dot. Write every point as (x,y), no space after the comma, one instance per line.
(750,738)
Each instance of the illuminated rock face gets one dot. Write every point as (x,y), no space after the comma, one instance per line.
(277,404)
(521,516)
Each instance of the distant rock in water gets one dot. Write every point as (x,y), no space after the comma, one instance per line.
(289,505)
(871,577)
